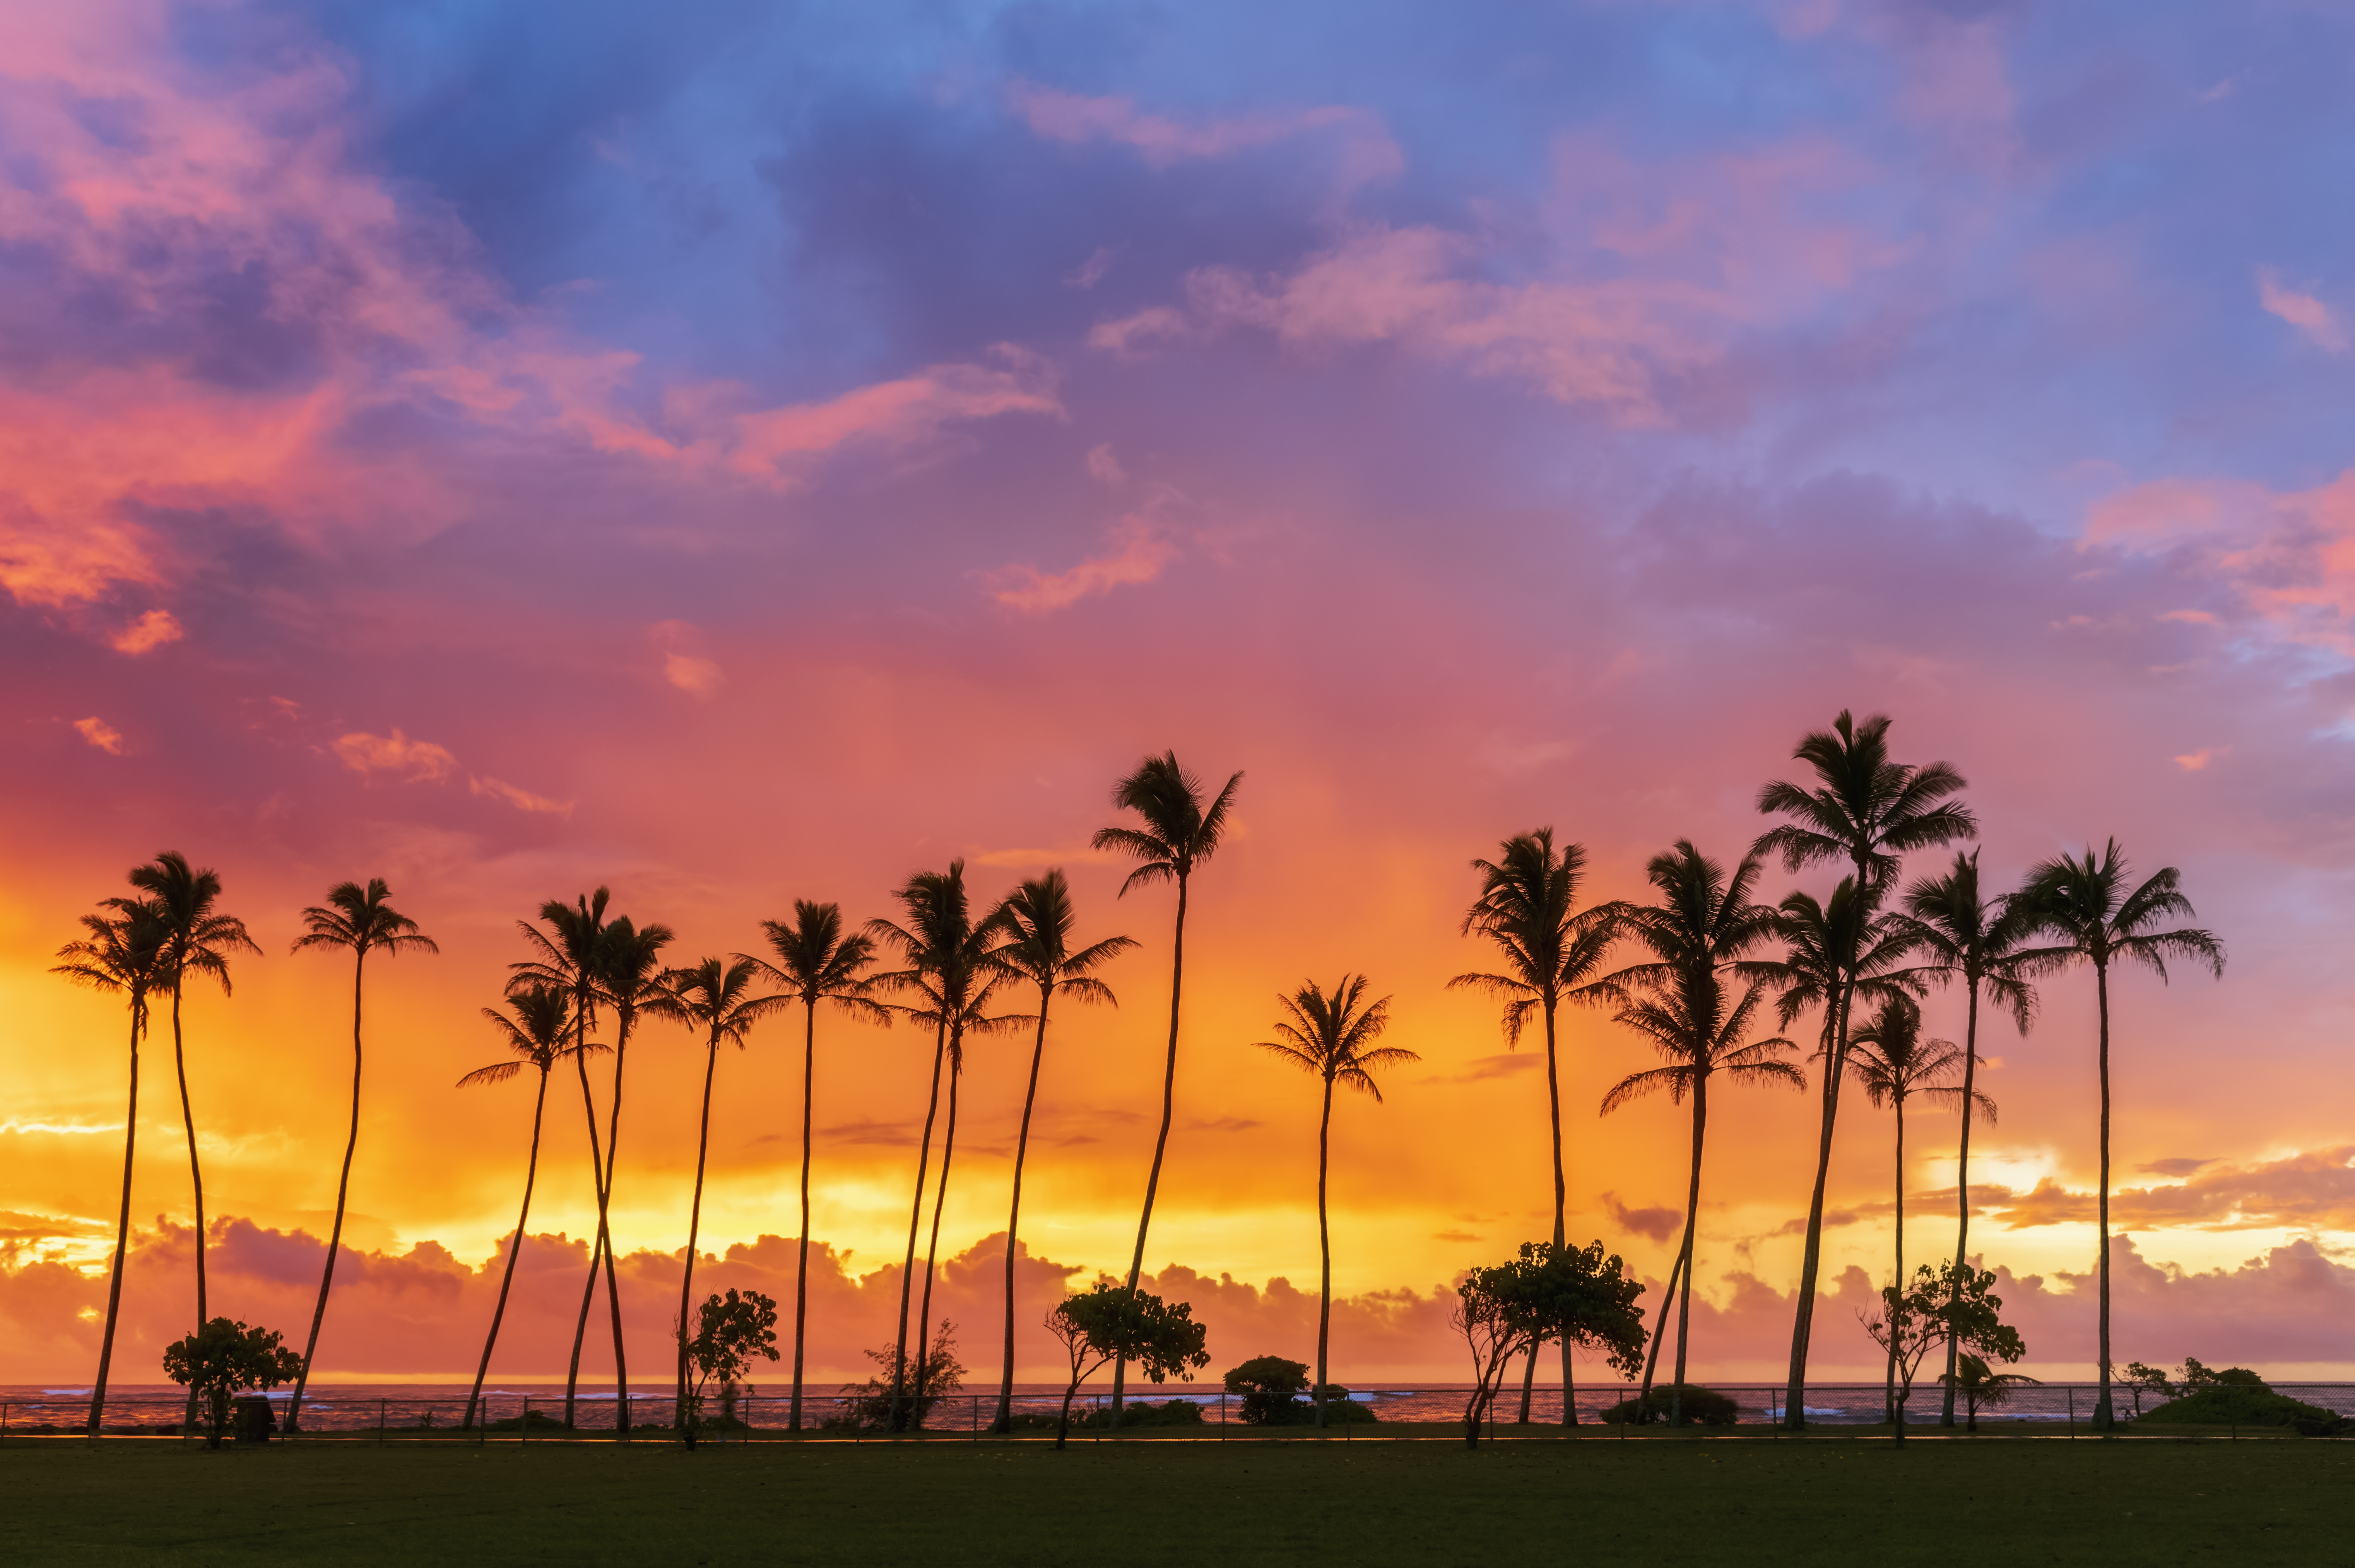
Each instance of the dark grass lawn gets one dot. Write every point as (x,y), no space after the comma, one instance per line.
(1664,1501)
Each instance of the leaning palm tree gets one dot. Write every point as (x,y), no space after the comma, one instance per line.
(359,920)
(1893,1063)
(1869,811)
(1332,1035)
(536,1036)
(1179,833)
(1528,907)
(2103,917)
(1975,940)
(1037,920)
(201,939)
(1692,1003)
(815,962)
(715,997)
(124,951)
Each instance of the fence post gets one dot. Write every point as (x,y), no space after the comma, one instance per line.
(2072,1415)
(380,1423)
(523,1422)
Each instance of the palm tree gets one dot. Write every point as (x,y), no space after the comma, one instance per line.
(1891,1063)
(815,962)
(200,941)
(1179,833)
(124,951)
(1527,906)
(543,1017)
(715,997)
(1870,811)
(361,920)
(2103,921)
(629,976)
(1975,940)
(1692,1003)
(1333,1036)
(1036,918)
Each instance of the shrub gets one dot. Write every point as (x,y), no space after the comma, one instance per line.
(1145,1413)
(2237,1404)
(1700,1406)
(1267,1384)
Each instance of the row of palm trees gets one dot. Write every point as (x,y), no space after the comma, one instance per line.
(1861,959)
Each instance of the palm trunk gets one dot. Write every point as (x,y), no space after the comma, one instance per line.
(915,1220)
(694,1228)
(801,1272)
(596,1245)
(1004,1418)
(1895,1406)
(1560,1233)
(1692,1226)
(195,1168)
(1811,1256)
(1659,1337)
(604,1232)
(122,1227)
(1963,1186)
(932,1247)
(1325,1252)
(514,1250)
(2104,1417)
(1161,1142)
(335,1233)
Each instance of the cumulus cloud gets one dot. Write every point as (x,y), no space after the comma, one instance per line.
(413,761)
(99,734)
(2314,1189)
(150,631)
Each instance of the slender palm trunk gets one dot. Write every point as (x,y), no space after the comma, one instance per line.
(915,1222)
(1811,1256)
(1659,1337)
(1004,1421)
(196,1167)
(604,1232)
(694,1228)
(1161,1141)
(932,1247)
(801,1271)
(122,1227)
(2103,1416)
(1963,1186)
(597,1243)
(335,1232)
(1560,1233)
(514,1250)
(1897,1300)
(1692,1226)
(1324,1251)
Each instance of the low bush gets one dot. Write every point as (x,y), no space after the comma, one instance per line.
(2244,1404)
(1699,1406)
(1144,1412)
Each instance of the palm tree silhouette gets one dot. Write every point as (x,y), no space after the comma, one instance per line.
(1870,811)
(1692,1003)
(714,996)
(1333,1036)
(1975,940)
(360,920)
(1893,1063)
(201,938)
(1037,920)
(124,951)
(1179,833)
(536,1037)
(815,962)
(2104,919)
(1527,906)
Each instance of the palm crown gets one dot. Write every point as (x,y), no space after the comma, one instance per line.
(949,955)
(1332,1034)
(1864,809)
(127,950)
(1837,947)
(1035,920)
(1180,831)
(201,936)
(1891,1062)
(1974,939)
(715,996)
(817,963)
(2088,902)
(543,1015)
(570,958)
(362,919)
(1527,906)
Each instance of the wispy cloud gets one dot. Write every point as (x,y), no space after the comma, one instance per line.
(520,799)
(1139,554)
(99,734)
(2301,309)
(414,761)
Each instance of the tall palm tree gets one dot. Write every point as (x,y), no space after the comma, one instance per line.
(1037,920)
(360,920)
(815,962)
(124,951)
(1528,907)
(1332,1035)
(1692,1003)
(628,978)
(2103,917)
(536,1036)
(714,996)
(1180,832)
(1893,1063)
(1869,810)
(201,939)
(1975,940)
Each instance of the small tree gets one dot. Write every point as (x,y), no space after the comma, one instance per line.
(225,1358)
(1981,1387)
(1111,1321)
(1269,1385)
(901,1403)
(1957,1301)
(1580,1296)
(730,1333)
(1497,1314)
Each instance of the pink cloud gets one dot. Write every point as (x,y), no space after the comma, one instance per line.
(1059,116)
(1140,557)
(99,734)
(150,631)
(521,800)
(2290,554)
(2317,321)
(414,761)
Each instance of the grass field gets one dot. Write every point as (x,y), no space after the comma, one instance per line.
(1658,1500)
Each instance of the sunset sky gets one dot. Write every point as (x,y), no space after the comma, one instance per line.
(736,453)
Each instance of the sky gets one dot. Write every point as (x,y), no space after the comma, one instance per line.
(736,453)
